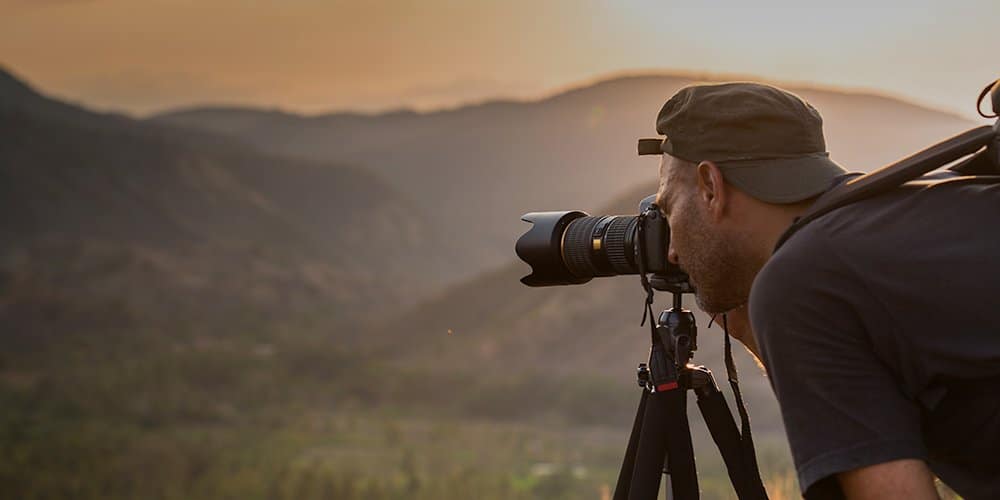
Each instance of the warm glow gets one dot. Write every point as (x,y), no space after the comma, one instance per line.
(312,55)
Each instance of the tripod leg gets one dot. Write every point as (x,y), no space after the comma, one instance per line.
(628,464)
(680,450)
(737,453)
(721,425)
(651,451)
(665,432)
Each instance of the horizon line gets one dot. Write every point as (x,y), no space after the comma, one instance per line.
(694,76)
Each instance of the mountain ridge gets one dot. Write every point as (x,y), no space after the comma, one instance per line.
(172,224)
(558,93)
(477,168)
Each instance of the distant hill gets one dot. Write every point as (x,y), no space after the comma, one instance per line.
(183,216)
(184,295)
(476,169)
(565,337)
(106,217)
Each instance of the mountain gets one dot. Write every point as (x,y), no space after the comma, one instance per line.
(184,216)
(476,169)
(107,217)
(185,295)
(569,349)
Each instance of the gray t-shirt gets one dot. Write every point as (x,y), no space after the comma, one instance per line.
(879,325)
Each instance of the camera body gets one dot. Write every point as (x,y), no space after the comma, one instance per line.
(572,247)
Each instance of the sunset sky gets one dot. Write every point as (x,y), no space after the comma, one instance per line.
(142,56)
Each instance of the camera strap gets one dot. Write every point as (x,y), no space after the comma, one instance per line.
(753,486)
(984,141)
(745,474)
(910,168)
(647,310)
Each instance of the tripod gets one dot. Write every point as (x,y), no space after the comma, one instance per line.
(661,434)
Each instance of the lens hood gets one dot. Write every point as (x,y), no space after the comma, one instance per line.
(541,248)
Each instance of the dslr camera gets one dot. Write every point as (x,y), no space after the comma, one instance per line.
(572,247)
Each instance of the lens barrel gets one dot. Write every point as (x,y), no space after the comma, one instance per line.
(567,248)
(600,246)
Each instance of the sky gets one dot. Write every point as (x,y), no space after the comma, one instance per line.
(313,56)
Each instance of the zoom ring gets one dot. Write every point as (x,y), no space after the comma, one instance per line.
(576,247)
(618,255)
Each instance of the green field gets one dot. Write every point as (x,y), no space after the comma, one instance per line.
(272,416)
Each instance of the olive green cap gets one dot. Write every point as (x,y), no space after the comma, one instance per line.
(768,142)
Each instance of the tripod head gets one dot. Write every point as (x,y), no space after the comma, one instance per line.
(672,283)
(673,336)
(661,438)
(679,334)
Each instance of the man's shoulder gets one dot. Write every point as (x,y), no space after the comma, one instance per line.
(797,264)
(852,239)
(865,237)
(805,281)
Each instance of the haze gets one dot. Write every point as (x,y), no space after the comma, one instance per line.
(316,56)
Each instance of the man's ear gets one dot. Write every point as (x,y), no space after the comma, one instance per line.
(712,189)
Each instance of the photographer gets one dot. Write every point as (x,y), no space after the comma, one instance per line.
(877,323)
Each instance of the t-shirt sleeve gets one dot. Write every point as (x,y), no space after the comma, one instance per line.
(841,405)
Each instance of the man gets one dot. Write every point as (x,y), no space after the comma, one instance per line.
(877,323)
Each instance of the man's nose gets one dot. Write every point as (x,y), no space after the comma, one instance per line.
(671,254)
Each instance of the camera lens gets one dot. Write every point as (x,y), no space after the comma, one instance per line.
(565,248)
(569,248)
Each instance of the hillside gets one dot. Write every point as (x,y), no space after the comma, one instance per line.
(574,149)
(109,219)
(476,169)
(244,304)
(558,337)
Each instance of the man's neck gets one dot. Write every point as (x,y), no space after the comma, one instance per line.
(769,228)
(767,232)
(738,324)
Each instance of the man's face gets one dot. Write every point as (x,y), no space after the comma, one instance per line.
(700,244)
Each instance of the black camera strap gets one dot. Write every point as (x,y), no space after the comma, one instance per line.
(753,487)
(983,143)
(896,174)
(737,447)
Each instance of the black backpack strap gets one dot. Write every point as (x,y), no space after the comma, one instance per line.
(896,174)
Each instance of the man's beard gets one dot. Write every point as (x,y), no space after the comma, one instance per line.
(719,272)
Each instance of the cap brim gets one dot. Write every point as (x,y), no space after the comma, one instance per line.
(783,180)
